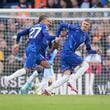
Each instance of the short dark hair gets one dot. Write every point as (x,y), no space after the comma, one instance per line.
(42,17)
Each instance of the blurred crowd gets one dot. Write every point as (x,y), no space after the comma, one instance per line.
(54,3)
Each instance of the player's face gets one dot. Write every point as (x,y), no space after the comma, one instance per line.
(48,22)
(85,26)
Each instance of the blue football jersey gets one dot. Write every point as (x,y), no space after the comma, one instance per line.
(38,36)
(75,38)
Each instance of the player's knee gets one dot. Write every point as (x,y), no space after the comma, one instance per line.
(39,69)
(45,64)
(67,72)
(28,70)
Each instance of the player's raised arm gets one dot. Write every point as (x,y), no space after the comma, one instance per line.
(88,46)
(22,33)
(64,25)
(15,47)
(47,35)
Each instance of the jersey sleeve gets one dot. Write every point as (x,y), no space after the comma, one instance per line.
(64,25)
(46,34)
(22,33)
(88,46)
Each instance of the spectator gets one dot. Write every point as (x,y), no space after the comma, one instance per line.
(74,4)
(96,4)
(23,4)
(65,4)
(104,2)
(11,31)
(106,68)
(52,4)
(33,3)
(108,42)
(1,67)
(85,4)
(40,3)
(13,63)
(3,45)
(2,3)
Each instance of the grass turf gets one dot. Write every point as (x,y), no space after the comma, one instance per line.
(70,102)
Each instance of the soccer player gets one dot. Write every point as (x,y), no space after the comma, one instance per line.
(37,34)
(47,73)
(76,36)
(47,76)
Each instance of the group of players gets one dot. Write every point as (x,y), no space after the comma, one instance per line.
(40,40)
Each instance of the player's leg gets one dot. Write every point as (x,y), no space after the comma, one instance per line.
(78,74)
(16,74)
(83,68)
(28,84)
(38,59)
(58,82)
(44,63)
(39,87)
(76,61)
(51,76)
(47,79)
(44,83)
(66,64)
(30,61)
(61,81)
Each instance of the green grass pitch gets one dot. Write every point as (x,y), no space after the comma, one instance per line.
(69,102)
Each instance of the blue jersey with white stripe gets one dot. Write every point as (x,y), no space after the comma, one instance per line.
(38,36)
(75,38)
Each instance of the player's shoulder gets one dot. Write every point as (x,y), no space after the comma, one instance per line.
(87,34)
(44,26)
(77,27)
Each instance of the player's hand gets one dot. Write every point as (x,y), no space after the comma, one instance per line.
(15,49)
(99,51)
(63,34)
(58,39)
(56,43)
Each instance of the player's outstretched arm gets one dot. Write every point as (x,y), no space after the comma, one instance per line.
(47,35)
(22,33)
(15,47)
(64,25)
(88,46)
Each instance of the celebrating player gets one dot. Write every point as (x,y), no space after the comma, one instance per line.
(76,36)
(34,50)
